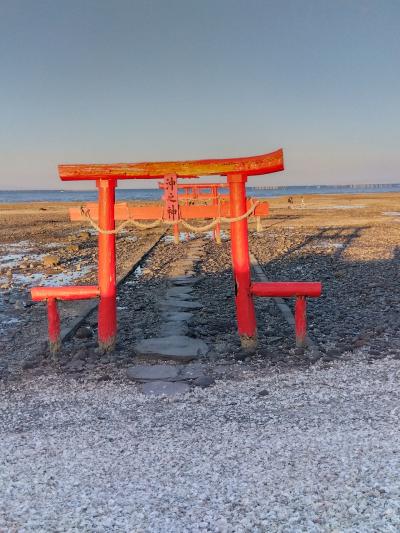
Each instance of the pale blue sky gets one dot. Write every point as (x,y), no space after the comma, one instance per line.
(107,81)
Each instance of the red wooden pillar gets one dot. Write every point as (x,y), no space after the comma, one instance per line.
(245,313)
(53,325)
(300,315)
(107,270)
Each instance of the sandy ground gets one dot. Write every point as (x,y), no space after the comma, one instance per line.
(285,441)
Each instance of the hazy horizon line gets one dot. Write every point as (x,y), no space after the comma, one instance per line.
(349,184)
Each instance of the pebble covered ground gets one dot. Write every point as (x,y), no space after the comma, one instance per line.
(312,450)
(40,246)
(359,267)
(280,440)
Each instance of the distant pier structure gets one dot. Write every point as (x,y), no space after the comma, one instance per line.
(348,186)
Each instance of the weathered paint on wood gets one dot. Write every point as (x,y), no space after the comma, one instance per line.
(249,166)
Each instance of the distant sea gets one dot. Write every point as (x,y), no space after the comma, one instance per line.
(155,194)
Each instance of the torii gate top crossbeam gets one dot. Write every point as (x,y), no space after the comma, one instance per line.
(249,166)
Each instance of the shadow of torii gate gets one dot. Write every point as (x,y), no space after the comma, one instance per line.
(236,172)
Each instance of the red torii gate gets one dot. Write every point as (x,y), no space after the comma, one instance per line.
(236,171)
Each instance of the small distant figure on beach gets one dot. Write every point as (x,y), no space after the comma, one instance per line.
(290,202)
(302,203)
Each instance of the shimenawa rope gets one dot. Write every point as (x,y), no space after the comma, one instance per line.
(156,223)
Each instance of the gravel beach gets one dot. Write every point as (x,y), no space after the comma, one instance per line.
(312,450)
(280,440)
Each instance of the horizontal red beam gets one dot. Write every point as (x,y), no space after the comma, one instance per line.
(250,166)
(121,212)
(161,185)
(202,196)
(154,212)
(286,289)
(84,292)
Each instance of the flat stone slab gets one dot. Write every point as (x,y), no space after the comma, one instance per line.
(171,293)
(174,347)
(180,304)
(179,290)
(177,316)
(145,373)
(180,372)
(164,388)
(178,327)
(191,371)
(184,280)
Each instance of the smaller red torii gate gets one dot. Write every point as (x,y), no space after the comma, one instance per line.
(107,212)
(193,192)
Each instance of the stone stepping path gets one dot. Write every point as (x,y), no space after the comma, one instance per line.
(169,380)
(177,316)
(182,281)
(174,343)
(174,348)
(185,290)
(177,303)
(174,328)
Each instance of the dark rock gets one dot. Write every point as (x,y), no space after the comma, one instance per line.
(75,366)
(376,352)
(30,363)
(314,357)
(204,381)
(328,358)
(20,304)
(80,354)
(242,355)
(104,377)
(263,392)
(359,343)
(84,332)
